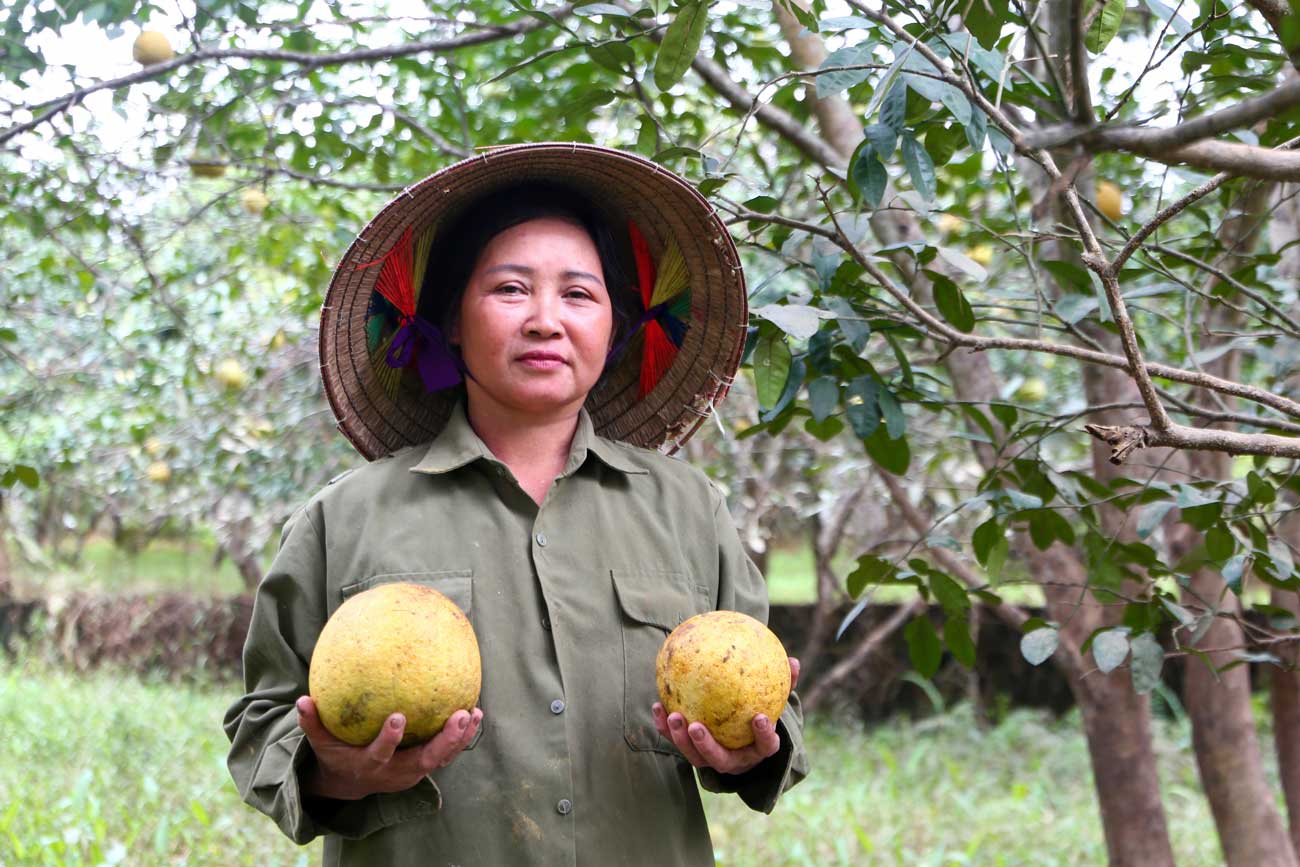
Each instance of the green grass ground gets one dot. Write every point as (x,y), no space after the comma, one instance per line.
(104,769)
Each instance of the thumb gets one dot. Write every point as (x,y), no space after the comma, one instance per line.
(386,742)
(309,721)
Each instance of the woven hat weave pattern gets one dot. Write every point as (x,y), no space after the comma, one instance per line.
(378,420)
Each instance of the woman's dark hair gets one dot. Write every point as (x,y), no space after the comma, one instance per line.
(457,247)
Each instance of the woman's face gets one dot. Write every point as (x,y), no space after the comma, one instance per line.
(535,320)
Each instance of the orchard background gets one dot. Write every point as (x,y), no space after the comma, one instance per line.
(1023,283)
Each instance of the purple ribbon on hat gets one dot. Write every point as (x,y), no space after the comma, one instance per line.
(653,313)
(439,367)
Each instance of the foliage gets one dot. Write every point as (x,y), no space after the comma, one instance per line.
(134,278)
(133,772)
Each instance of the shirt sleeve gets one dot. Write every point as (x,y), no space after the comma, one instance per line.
(741,587)
(269,753)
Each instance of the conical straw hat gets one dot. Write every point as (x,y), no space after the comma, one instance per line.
(378,418)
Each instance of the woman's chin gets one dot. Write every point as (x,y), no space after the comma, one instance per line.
(535,400)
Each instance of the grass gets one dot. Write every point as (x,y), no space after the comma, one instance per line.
(186,565)
(114,769)
(165,564)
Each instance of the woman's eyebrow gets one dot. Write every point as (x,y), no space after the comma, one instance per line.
(528,271)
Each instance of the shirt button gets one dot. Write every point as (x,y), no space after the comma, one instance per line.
(501,471)
(546,623)
(564,807)
(557,706)
(541,540)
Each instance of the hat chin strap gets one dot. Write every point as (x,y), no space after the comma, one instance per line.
(438,365)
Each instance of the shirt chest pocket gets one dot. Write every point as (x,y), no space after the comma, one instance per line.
(456,584)
(652,604)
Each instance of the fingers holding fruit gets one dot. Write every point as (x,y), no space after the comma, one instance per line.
(396,666)
(727,668)
(702,750)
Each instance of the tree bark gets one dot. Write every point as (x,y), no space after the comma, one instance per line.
(1284,695)
(1228,753)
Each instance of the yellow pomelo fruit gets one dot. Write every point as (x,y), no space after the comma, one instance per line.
(154,446)
(159,472)
(394,648)
(152,47)
(254,201)
(981,253)
(230,373)
(721,668)
(1032,390)
(1110,201)
(949,223)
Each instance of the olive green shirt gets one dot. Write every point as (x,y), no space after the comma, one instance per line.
(570,602)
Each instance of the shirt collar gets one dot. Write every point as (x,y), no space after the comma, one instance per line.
(458,445)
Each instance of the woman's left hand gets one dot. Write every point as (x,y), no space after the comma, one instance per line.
(701,750)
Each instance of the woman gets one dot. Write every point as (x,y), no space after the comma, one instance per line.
(504,341)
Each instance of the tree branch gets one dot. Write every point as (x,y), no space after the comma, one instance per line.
(304,60)
(1243,114)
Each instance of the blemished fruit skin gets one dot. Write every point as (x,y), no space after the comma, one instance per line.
(399,647)
(722,668)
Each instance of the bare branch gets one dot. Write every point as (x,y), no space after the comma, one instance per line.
(1124,440)
(1243,114)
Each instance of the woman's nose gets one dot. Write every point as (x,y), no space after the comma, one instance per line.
(544,315)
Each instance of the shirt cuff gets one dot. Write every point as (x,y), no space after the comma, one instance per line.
(762,785)
(302,817)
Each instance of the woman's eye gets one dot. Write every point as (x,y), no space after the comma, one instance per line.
(510,288)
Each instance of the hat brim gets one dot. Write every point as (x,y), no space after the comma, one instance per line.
(378,422)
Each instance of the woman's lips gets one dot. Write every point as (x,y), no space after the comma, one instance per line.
(541,361)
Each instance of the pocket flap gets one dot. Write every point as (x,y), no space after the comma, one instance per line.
(455,584)
(659,598)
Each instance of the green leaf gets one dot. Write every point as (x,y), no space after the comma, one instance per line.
(984,538)
(895,421)
(1038,646)
(919,167)
(867,174)
(1151,517)
(893,110)
(1046,526)
(825,430)
(1260,490)
(863,405)
(771,363)
(953,305)
(997,559)
(823,396)
(962,262)
(1148,659)
(1233,570)
(832,83)
(1219,542)
(1104,26)
(1109,649)
(870,570)
(27,475)
(923,646)
(1069,275)
(984,19)
(893,455)
(956,634)
(883,138)
(8,334)
(681,43)
(951,595)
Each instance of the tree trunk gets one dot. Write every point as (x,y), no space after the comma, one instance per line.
(1284,693)
(1228,753)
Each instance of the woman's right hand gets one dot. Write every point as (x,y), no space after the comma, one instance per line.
(348,772)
